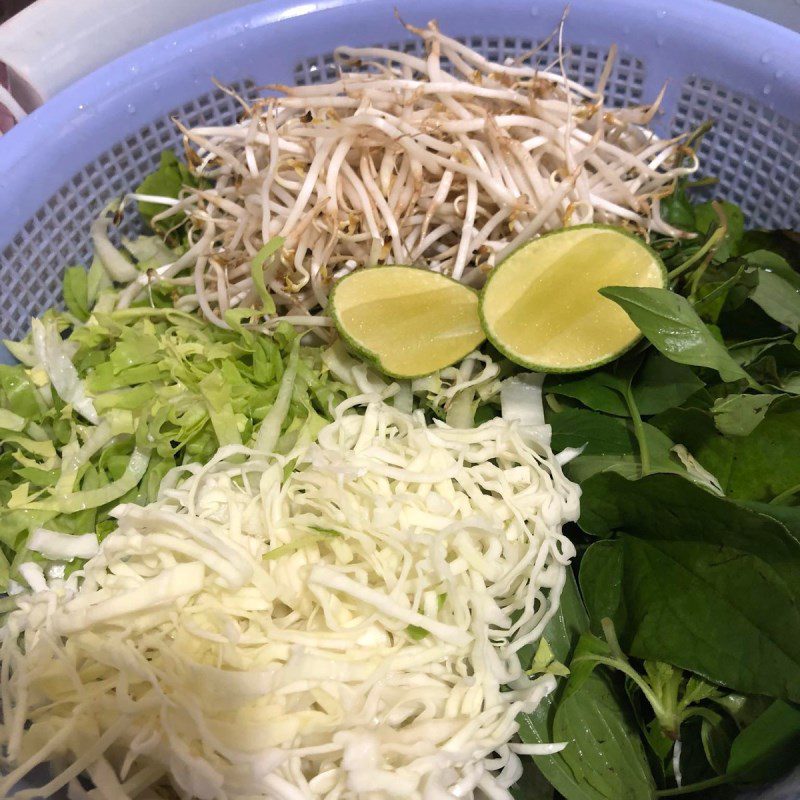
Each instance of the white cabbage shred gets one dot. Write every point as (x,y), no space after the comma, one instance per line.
(342,622)
(54,355)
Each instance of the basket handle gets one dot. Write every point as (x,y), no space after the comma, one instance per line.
(51,44)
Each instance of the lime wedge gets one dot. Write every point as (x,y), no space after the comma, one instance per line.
(541,307)
(409,322)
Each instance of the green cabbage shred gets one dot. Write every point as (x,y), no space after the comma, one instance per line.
(169,389)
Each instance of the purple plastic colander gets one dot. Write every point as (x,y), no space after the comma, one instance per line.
(98,138)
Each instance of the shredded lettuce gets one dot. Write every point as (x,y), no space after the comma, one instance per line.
(54,358)
(106,403)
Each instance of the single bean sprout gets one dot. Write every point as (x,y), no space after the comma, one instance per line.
(447,161)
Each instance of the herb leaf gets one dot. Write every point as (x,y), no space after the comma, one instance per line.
(659,384)
(562,634)
(605,759)
(663,383)
(779,298)
(768,747)
(760,466)
(716,611)
(740,414)
(605,753)
(670,508)
(600,391)
(166,181)
(610,444)
(694,580)
(671,324)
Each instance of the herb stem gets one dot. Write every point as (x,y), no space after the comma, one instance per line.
(709,181)
(706,252)
(611,638)
(722,230)
(709,245)
(627,669)
(785,495)
(720,780)
(638,429)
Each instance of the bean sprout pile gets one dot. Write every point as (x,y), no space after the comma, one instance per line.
(447,161)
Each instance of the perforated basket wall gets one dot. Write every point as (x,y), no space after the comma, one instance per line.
(59,229)
(752,150)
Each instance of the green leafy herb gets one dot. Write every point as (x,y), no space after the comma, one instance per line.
(672,696)
(759,466)
(706,218)
(562,634)
(662,383)
(721,596)
(717,735)
(605,759)
(605,754)
(673,327)
(609,443)
(779,298)
(166,181)
(775,263)
(659,384)
(740,414)
(704,589)
(679,211)
(768,747)
(600,391)
(694,580)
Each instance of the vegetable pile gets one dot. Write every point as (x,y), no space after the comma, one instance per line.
(683,643)
(448,162)
(341,621)
(102,406)
(245,561)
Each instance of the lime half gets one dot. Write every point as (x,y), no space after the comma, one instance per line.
(409,322)
(541,307)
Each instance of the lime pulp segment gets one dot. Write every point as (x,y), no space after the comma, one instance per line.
(409,321)
(542,307)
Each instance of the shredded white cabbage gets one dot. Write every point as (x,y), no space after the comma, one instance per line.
(521,401)
(454,392)
(116,265)
(54,356)
(66,546)
(342,622)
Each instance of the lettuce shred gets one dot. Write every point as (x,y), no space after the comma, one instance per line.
(106,403)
